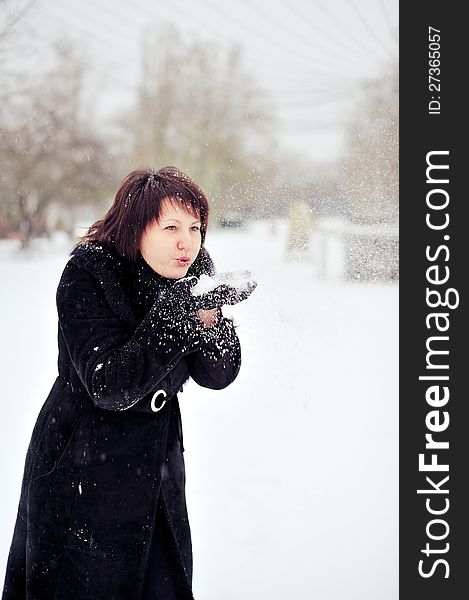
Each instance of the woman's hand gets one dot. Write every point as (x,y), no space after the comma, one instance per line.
(208,317)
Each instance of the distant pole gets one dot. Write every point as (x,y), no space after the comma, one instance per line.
(299,232)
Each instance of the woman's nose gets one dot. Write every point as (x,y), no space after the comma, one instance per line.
(184,242)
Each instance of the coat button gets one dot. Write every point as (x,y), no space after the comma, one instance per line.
(154,398)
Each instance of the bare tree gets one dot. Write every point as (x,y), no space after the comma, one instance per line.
(370,167)
(48,150)
(199,108)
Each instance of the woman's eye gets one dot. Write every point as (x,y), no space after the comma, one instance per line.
(174,227)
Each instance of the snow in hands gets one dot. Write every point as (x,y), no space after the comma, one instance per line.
(223,288)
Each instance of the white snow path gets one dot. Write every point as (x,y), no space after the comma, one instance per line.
(292,471)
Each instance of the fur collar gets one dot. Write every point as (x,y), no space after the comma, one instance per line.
(130,288)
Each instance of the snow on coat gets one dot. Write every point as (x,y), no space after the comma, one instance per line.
(107,444)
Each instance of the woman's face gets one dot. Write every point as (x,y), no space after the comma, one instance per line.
(171,244)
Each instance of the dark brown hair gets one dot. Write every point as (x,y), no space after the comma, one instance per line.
(138,202)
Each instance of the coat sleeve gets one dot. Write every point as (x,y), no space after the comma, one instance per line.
(217,363)
(116,366)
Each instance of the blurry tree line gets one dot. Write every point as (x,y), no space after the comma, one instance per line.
(198,107)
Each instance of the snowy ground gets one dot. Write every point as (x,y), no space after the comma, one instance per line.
(292,471)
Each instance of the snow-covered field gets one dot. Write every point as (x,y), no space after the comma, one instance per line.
(292,471)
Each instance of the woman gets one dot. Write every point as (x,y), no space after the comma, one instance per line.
(102,513)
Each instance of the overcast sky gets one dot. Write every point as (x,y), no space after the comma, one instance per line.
(311,55)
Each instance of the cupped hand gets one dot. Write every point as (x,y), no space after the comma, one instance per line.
(208,317)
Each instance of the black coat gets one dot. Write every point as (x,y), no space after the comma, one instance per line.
(107,445)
